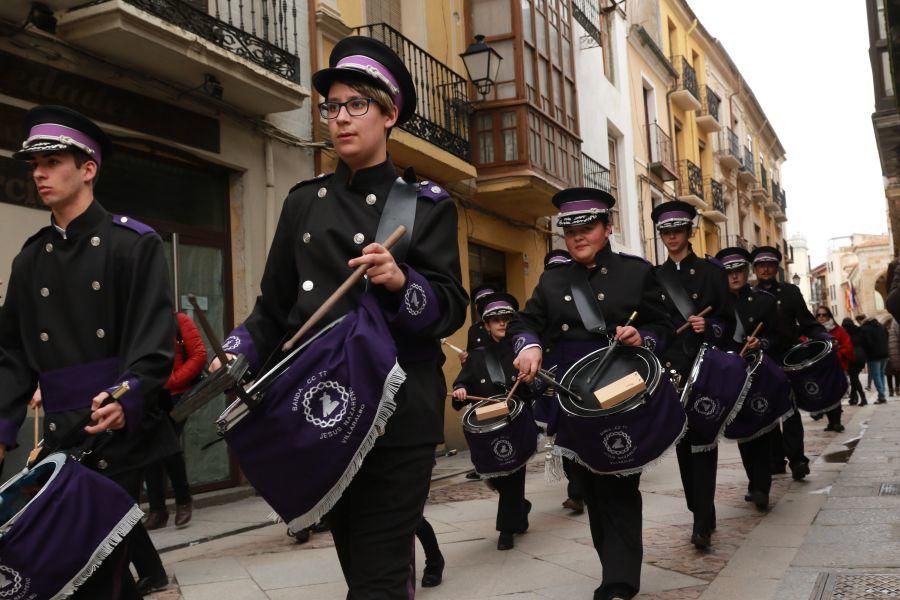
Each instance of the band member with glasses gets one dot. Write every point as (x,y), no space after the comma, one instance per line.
(845,356)
(326,230)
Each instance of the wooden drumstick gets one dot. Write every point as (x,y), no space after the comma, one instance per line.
(476,398)
(687,324)
(333,299)
(609,352)
(753,335)
(456,349)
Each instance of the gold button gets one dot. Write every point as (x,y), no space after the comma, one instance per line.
(307,285)
(371,199)
(48,247)
(306,237)
(95,285)
(482,381)
(45,337)
(45,292)
(359,238)
(567,298)
(101,334)
(601,296)
(322,191)
(95,241)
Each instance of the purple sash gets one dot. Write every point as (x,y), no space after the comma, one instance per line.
(625,442)
(820,386)
(504,448)
(58,523)
(767,400)
(305,442)
(713,395)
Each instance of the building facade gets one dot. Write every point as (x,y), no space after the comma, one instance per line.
(854,266)
(799,272)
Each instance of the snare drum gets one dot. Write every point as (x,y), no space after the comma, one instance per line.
(630,436)
(712,395)
(766,399)
(500,445)
(816,375)
(58,522)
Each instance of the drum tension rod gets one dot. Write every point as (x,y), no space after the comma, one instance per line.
(610,350)
(548,377)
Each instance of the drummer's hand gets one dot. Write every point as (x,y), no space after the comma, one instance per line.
(528,362)
(629,336)
(111,416)
(698,324)
(383,269)
(36,400)
(463,357)
(216,364)
(752,342)
(459,394)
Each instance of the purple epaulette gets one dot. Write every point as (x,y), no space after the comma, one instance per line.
(715,261)
(432,191)
(132,224)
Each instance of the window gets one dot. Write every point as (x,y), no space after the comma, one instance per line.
(508,135)
(882,19)
(485,136)
(614,181)
(486,266)
(549,72)
(886,74)
(384,11)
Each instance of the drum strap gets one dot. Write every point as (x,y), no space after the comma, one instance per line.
(739,331)
(399,209)
(583,295)
(494,369)
(677,293)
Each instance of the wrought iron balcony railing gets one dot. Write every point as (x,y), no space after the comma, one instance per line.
(661,151)
(716,196)
(441,113)
(690,181)
(763,177)
(593,174)
(687,76)
(735,240)
(711,105)
(587,13)
(261,31)
(748,163)
(776,190)
(730,144)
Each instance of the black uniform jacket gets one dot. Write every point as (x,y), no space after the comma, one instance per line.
(706,284)
(794,318)
(752,307)
(329,220)
(84,312)
(477,337)
(476,378)
(621,284)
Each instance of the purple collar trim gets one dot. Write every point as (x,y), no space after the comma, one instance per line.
(558,260)
(64,135)
(765,256)
(483,293)
(579,206)
(373,68)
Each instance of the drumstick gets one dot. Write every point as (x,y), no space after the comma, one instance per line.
(609,352)
(753,335)
(548,378)
(208,330)
(456,349)
(476,398)
(687,324)
(339,293)
(37,426)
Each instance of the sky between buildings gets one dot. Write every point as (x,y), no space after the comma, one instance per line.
(808,64)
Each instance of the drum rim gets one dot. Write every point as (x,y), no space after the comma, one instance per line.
(829,346)
(518,407)
(59,459)
(623,407)
(694,373)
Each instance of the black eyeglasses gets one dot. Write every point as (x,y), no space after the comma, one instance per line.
(356,107)
(822,315)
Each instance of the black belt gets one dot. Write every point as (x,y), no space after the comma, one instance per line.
(399,209)
(676,292)
(738,328)
(583,295)
(495,371)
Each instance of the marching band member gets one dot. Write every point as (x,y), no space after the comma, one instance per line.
(551,324)
(88,308)
(325,225)
(495,360)
(478,336)
(691,284)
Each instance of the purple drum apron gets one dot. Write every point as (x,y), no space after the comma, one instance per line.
(627,438)
(557,360)
(501,445)
(816,375)
(712,395)
(58,522)
(767,399)
(304,443)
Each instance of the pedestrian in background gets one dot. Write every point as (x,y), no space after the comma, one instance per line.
(857,393)
(844,354)
(875,341)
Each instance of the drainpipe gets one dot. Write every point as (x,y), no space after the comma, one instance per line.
(271,217)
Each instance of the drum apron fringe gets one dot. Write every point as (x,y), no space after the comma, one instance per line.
(819,413)
(386,407)
(553,467)
(106,547)
(731,417)
(566,453)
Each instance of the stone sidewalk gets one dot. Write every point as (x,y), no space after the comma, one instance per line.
(232,551)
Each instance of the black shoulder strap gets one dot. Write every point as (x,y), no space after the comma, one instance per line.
(399,209)
(739,331)
(676,292)
(494,369)
(583,295)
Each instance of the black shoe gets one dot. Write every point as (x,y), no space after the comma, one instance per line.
(837,428)
(829,427)
(760,499)
(881,400)
(473,475)
(576,506)
(863,402)
(608,593)
(505,541)
(302,536)
(799,470)
(748,497)
(148,585)
(433,574)
(853,401)
(816,417)
(701,541)
(527,512)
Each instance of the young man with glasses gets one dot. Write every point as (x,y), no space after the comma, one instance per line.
(326,230)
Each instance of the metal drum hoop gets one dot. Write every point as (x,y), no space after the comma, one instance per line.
(654,369)
(692,377)
(754,358)
(471,425)
(57,460)
(792,367)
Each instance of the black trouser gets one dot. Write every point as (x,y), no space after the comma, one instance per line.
(856,389)
(614,512)
(834,415)
(156,473)
(425,533)
(142,552)
(698,477)
(787,441)
(512,507)
(573,489)
(755,456)
(374,522)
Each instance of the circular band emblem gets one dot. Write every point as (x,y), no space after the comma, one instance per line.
(415,299)
(518,345)
(503,449)
(325,404)
(759,405)
(706,406)
(617,443)
(10,582)
(811,387)
(232,343)
(717,330)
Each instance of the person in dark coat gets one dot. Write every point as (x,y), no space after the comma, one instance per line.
(875,337)
(550,325)
(857,393)
(87,309)
(326,230)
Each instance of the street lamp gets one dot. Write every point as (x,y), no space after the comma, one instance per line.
(482,65)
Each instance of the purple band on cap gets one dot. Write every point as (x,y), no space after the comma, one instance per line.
(375,69)
(765,256)
(733,258)
(582,206)
(496,305)
(483,293)
(675,214)
(557,260)
(59,132)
